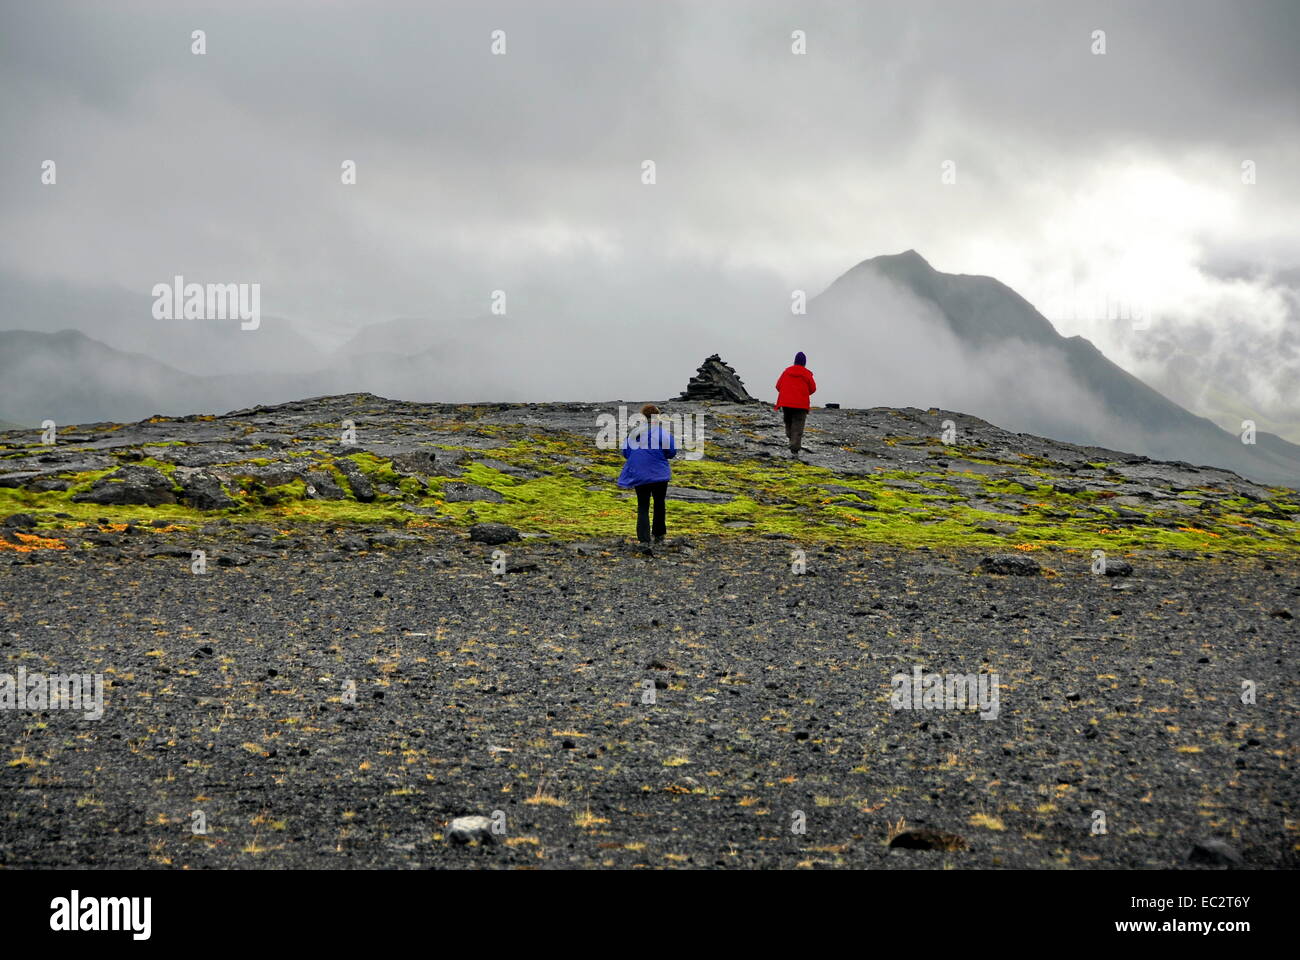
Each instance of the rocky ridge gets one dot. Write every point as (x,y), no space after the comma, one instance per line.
(872,475)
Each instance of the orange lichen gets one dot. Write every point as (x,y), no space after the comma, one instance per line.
(30,541)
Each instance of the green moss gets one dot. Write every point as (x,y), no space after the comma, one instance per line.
(44,505)
(380,471)
(252,493)
(81,482)
(337,511)
(411,487)
(160,465)
(576,500)
(786,498)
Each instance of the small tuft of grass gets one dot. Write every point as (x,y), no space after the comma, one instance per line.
(988,821)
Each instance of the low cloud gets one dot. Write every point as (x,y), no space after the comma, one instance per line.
(1116,175)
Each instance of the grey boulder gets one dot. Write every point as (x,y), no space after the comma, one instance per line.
(133,484)
(463,830)
(493,533)
(1010,564)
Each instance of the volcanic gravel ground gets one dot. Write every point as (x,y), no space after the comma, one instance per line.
(523,693)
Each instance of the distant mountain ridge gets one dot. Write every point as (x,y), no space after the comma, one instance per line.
(986,317)
(72,378)
(123,319)
(892,323)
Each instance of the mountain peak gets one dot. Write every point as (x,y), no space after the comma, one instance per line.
(908,268)
(907,256)
(994,328)
(907,260)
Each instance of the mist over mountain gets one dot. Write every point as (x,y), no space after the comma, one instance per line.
(72,378)
(890,331)
(123,319)
(904,333)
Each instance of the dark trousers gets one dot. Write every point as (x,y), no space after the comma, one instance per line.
(643,494)
(794,421)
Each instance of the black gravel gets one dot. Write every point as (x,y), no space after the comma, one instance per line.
(523,693)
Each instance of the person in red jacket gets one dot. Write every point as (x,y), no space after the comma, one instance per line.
(793,388)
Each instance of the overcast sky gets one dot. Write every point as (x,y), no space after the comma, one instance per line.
(1078,176)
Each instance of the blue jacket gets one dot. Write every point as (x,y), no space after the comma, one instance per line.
(647,451)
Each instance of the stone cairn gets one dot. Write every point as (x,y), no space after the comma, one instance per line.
(716,381)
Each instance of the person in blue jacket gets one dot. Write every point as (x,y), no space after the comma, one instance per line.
(647,451)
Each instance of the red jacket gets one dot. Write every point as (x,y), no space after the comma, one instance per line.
(794,387)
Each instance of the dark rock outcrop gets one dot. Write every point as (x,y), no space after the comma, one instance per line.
(361,486)
(493,533)
(1010,564)
(131,484)
(321,486)
(695,495)
(716,380)
(418,462)
(203,491)
(470,492)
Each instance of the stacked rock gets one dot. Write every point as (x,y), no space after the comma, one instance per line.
(716,381)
